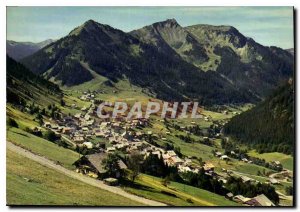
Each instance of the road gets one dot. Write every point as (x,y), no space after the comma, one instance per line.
(280,173)
(251,175)
(248,175)
(88,180)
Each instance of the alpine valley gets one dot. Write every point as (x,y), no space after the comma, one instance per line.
(239,153)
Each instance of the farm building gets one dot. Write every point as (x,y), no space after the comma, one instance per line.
(93,165)
(260,200)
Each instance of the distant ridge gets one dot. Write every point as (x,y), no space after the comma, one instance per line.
(20,50)
(210,64)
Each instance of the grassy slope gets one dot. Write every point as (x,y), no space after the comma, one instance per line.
(151,187)
(48,187)
(43,147)
(23,119)
(286,160)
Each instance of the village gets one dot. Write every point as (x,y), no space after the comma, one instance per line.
(102,137)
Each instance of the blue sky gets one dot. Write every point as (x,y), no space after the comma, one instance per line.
(267,25)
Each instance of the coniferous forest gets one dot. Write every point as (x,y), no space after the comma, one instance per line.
(271,120)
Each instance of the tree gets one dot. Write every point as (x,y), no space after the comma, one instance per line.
(50,135)
(12,123)
(62,102)
(155,165)
(111,164)
(134,164)
(289,190)
(166,181)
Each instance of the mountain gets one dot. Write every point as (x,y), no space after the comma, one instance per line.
(291,50)
(24,86)
(168,60)
(96,48)
(169,35)
(268,127)
(20,50)
(238,59)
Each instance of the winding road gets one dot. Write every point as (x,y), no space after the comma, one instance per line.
(93,182)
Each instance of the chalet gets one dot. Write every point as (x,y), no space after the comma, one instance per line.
(126,134)
(133,149)
(209,167)
(246,179)
(224,157)
(78,139)
(273,181)
(240,199)
(245,160)
(205,138)
(87,117)
(47,124)
(104,124)
(83,98)
(66,130)
(84,109)
(94,164)
(260,200)
(165,157)
(218,154)
(229,195)
(195,170)
(88,144)
(223,180)
(36,130)
(138,145)
(158,153)
(116,125)
(175,160)
(85,129)
(139,134)
(187,161)
(54,126)
(171,153)
(77,115)
(59,129)
(184,168)
(121,146)
(111,181)
(277,162)
(110,149)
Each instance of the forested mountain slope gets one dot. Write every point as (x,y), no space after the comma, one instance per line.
(268,127)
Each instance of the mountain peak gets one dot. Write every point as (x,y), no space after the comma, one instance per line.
(90,22)
(167,23)
(87,26)
(171,21)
